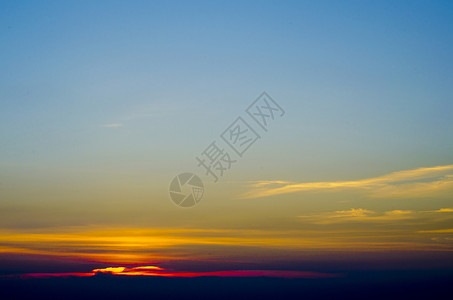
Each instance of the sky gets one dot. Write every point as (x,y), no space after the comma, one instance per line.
(103,103)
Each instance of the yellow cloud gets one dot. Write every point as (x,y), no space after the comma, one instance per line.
(443,210)
(358,215)
(360,212)
(365,215)
(419,182)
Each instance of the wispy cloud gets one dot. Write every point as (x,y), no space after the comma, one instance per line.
(419,182)
(365,215)
(113,125)
(450,230)
(358,215)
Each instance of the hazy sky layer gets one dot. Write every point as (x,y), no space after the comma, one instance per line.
(102,103)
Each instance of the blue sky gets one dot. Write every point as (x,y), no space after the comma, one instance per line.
(362,71)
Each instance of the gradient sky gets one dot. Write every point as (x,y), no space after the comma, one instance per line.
(102,103)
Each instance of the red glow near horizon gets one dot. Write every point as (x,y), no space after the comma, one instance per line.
(161,272)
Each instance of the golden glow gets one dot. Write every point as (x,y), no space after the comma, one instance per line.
(143,246)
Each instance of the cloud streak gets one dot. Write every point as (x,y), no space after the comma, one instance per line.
(365,215)
(358,215)
(419,182)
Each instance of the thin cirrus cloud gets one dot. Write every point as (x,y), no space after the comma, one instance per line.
(419,182)
(449,230)
(365,215)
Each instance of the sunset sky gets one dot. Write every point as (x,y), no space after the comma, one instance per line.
(103,103)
